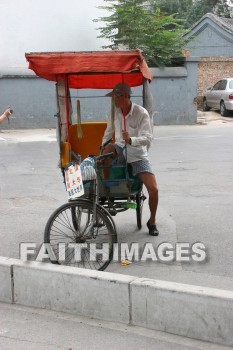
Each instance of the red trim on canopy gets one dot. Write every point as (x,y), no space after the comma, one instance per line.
(100,70)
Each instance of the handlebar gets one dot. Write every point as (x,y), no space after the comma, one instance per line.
(105,144)
(98,157)
(103,156)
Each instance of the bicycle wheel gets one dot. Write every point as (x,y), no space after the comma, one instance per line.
(139,200)
(79,239)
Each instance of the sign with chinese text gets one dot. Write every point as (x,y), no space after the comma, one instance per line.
(74,182)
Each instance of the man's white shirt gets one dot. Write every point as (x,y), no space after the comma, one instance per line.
(139,128)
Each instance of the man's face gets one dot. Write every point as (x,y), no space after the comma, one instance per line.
(120,100)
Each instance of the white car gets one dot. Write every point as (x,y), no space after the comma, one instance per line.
(220,96)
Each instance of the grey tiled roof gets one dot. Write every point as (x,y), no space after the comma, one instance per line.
(225,23)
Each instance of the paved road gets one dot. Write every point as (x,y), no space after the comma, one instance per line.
(193,165)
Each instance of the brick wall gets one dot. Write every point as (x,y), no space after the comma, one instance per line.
(210,70)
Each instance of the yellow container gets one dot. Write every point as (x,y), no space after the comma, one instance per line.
(93,133)
(65,148)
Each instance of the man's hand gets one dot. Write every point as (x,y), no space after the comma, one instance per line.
(126,137)
(7,112)
(5,115)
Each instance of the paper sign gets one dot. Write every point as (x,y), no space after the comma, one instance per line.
(74,182)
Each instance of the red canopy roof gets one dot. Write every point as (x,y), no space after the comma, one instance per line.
(100,70)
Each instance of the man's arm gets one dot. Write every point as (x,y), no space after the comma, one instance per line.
(5,115)
(108,132)
(145,132)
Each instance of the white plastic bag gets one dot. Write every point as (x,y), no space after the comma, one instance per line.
(88,169)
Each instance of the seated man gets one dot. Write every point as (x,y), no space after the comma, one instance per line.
(138,137)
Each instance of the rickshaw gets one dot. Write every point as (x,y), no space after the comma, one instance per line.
(82,232)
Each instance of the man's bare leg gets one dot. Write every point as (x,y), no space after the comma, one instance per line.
(107,162)
(149,181)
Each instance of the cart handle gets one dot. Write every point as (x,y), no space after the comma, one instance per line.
(103,156)
(105,144)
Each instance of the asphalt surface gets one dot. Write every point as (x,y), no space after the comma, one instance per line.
(193,167)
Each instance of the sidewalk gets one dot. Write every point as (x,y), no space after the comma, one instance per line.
(28,135)
(213,118)
(210,118)
(24,328)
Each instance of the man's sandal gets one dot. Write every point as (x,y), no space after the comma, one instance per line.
(153,231)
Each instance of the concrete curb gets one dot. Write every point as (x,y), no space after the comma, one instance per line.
(186,310)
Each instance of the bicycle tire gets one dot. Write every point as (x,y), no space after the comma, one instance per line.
(71,223)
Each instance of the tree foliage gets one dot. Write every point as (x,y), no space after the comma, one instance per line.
(223,9)
(192,10)
(201,7)
(180,8)
(133,24)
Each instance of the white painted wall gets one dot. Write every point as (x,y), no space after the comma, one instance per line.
(47,25)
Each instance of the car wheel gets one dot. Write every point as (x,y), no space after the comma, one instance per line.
(223,110)
(205,106)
